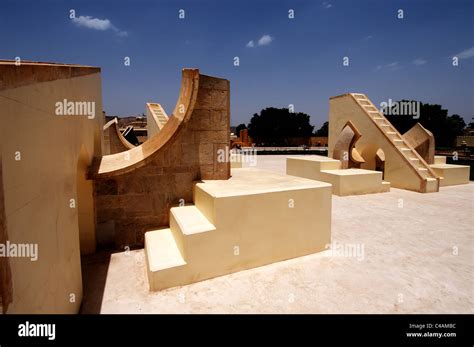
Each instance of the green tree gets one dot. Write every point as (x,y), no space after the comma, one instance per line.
(455,125)
(323,131)
(273,126)
(434,118)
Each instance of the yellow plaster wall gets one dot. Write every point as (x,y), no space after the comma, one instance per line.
(55,152)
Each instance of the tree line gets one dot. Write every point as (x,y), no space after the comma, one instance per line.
(275,126)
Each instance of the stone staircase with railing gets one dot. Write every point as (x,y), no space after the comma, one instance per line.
(403,167)
(412,158)
(159,113)
(156,118)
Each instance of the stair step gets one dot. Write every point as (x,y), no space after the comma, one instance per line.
(161,250)
(190,220)
(404,149)
(359,95)
(422,169)
(415,159)
(378,118)
(391,133)
(398,140)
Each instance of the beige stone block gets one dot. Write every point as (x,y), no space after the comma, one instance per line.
(452,174)
(344,181)
(252,219)
(439,159)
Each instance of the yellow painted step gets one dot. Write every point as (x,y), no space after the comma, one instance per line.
(190,220)
(162,251)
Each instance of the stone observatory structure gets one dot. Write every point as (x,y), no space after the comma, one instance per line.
(69,182)
(368,155)
(175,195)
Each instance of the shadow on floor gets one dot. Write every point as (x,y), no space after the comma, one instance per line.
(94,276)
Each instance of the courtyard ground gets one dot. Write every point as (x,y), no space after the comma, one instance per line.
(415,255)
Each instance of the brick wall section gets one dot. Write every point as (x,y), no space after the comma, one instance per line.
(130,204)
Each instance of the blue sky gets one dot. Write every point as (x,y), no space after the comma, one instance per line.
(299,61)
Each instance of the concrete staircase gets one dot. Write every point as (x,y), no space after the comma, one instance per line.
(171,251)
(159,114)
(238,224)
(429,179)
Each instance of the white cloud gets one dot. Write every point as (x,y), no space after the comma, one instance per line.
(327,5)
(265,40)
(92,23)
(367,38)
(97,24)
(392,66)
(121,33)
(419,61)
(466,54)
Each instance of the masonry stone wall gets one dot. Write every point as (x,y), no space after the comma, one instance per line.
(132,203)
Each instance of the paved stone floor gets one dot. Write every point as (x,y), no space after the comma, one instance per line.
(396,252)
